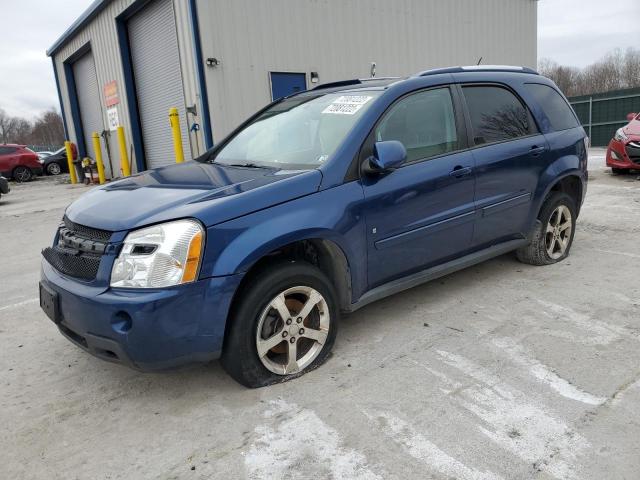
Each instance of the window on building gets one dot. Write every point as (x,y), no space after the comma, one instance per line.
(424,122)
(554,106)
(496,114)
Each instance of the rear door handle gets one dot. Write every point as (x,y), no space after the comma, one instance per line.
(459,171)
(536,150)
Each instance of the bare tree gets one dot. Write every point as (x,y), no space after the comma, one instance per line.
(616,70)
(47,129)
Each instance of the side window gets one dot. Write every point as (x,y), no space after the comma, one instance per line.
(6,150)
(424,122)
(496,114)
(554,106)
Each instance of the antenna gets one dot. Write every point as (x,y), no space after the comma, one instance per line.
(479,61)
(373,69)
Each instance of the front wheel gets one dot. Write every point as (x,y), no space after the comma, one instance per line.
(284,324)
(54,168)
(22,174)
(553,233)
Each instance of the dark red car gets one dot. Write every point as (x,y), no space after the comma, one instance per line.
(18,162)
(623,153)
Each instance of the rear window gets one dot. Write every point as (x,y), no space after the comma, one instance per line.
(554,106)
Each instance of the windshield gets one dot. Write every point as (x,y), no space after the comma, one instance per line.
(301,132)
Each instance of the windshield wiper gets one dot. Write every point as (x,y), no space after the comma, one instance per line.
(245,165)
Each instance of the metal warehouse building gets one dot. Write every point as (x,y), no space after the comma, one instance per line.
(126,62)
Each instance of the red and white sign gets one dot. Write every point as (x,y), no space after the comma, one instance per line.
(111,94)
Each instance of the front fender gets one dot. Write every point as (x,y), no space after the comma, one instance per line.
(334,214)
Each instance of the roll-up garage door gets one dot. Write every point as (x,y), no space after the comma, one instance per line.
(88,94)
(156,68)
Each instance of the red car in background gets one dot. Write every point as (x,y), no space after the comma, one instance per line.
(623,153)
(19,163)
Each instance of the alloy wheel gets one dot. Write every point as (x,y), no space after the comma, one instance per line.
(558,232)
(53,169)
(292,330)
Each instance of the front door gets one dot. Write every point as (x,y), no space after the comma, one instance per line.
(421,214)
(286,83)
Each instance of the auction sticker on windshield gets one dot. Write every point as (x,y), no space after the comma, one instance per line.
(347,104)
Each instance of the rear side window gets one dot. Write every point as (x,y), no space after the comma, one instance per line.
(6,150)
(496,114)
(554,106)
(424,122)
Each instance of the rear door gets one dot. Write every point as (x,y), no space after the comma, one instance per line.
(510,154)
(422,213)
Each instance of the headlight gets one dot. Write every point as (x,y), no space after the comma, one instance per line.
(620,136)
(160,256)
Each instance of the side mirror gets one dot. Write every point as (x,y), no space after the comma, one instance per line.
(631,116)
(387,156)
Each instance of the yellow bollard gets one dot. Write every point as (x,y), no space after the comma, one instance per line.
(72,168)
(124,157)
(174,121)
(98,150)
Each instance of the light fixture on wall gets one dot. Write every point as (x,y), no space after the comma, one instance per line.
(315,78)
(213,62)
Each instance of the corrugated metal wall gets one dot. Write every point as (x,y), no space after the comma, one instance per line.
(336,38)
(101,33)
(339,39)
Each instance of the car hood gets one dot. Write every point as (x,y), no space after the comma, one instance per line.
(632,129)
(212,193)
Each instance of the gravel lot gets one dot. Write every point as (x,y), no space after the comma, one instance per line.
(502,370)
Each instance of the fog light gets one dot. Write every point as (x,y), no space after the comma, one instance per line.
(615,156)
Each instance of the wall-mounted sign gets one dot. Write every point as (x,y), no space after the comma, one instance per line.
(111,94)
(112,118)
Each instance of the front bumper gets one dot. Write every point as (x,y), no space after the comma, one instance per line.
(623,160)
(144,329)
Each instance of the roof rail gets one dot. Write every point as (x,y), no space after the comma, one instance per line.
(477,68)
(355,81)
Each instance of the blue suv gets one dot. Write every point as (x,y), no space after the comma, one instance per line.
(319,204)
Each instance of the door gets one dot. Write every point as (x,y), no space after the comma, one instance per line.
(155,60)
(422,213)
(509,155)
(88,96)
(284,83)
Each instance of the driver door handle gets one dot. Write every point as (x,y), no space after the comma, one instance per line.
(459,171)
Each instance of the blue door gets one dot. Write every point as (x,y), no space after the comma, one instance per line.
(421,214)
(510,156)
(284,83)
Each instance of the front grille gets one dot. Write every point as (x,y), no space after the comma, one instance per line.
(633,151)
(87,232)
(79,250)
(78,265)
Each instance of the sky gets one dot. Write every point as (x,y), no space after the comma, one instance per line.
(571,32)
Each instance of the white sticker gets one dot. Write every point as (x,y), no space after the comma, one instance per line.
(112,118)
(347,104)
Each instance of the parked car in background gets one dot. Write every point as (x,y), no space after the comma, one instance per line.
(19,163)
(321,203)
(623,152)
(43,155)
(4,186)
(56,163)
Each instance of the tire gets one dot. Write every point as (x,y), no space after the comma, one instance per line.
(553,234)
(54,168)
(257,318)
(22,174)
(619,171)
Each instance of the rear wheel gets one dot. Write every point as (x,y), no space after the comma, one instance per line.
(54,168)
(22,174)
(619,171)
(553,233)
(284,325)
